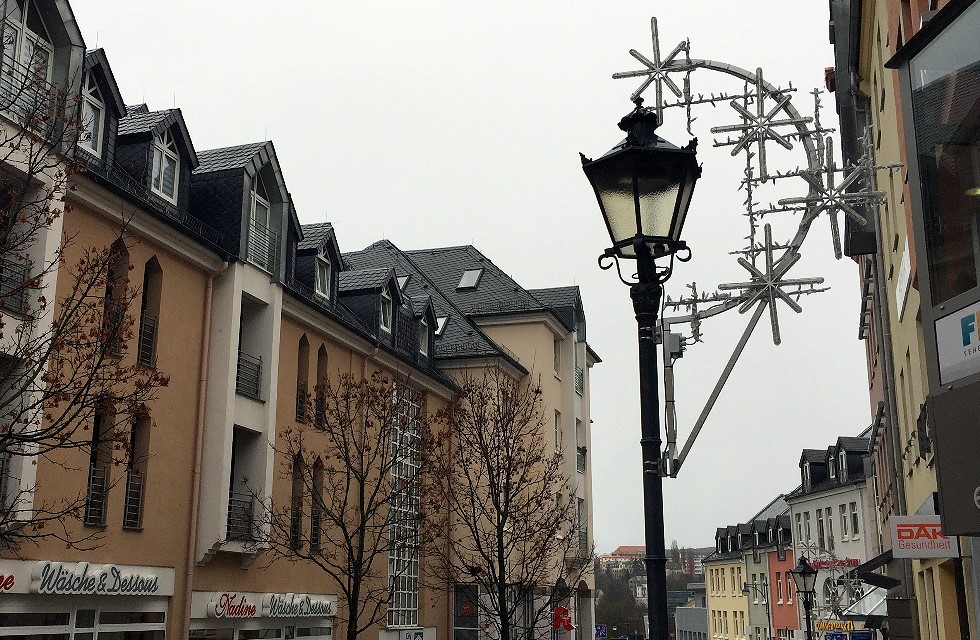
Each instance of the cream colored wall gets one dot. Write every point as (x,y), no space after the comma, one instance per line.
(727,600)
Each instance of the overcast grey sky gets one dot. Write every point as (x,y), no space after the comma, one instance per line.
(437,123)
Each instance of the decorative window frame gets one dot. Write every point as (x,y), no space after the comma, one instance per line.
(165,147)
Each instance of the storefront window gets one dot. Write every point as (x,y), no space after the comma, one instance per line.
(945,80)
(259,634)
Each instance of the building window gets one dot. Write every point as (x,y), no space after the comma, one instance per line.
(316,506)
(386,311)
(403,558)
(466,612)
(557,430)
(100,461)
(263,240)
(441,323)
(93,117)
(423,337)
(138,454)
(470,278)
(843,521)
(779,588)
(166,166)
(854,520)
(843,466)
(146,348)
(799,527)
(296,506)
(829,515)
(302,375)
(557,355)
(821,538)
(806,526)
(323,274)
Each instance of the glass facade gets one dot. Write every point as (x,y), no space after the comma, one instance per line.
(945,82)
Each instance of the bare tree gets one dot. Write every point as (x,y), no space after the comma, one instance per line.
(67,377)
(353,511)
(510,540)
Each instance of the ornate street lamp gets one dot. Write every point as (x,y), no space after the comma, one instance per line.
(644,187)
(805,580)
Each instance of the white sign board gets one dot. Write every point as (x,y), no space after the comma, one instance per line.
(83,578)
(921,537)
(958,343)
(239,604)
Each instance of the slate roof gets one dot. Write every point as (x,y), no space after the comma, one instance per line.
(461,338)
(420,304)
(314,234)
(775,508)
(226,158)
(138,121)
(496,293)
(364,280)
(563,301)
(854,445)
(818,456)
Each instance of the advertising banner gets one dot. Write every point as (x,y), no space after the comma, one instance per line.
(921,537)
(958,343)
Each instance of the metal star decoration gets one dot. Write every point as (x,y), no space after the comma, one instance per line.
(760,126)
(657,70)
(766,286)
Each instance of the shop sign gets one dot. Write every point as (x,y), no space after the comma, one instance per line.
(921,537)
(82,578)
(839,563)
(958,343)
(271,605)
(844,626)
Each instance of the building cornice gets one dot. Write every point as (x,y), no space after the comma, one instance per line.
(545,317)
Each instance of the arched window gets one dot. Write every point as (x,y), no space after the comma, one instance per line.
(316,506)
(146,353)
(321,385)
(136,463)
(115,301)
(302,375)
(93,117)
(100,462)
(166,166)
(296,505)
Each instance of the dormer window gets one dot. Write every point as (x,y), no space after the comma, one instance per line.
(441,323)
(323,274)
(24,31)
(843,465)
(166,164)
(93,115)
(806,476)
(832,466)
(386,311)
(423,337)
(403,282)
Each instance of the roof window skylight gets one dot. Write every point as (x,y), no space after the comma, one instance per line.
(471,277)
(441,323)
(402,282)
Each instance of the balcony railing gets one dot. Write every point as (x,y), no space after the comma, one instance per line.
(241,517)
(315,530)
(295,527)
(579,380)
(26,95)
(146,353)
(263,246)
(95,499)
(13,292)
(300,402)
(248,382)
(580,459)
(133,509)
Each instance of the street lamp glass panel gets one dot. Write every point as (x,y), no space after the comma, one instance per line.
(804,577)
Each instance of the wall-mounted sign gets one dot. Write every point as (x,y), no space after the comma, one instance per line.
(835,563)
(921,537)
(82,578)
(270,605)
(958,343)
(844,626)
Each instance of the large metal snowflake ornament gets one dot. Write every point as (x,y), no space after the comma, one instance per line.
(766,116)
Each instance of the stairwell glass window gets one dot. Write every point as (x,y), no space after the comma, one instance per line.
(166,165)
(93,117)
(323,274)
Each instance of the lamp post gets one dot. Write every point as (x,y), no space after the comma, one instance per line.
(751,587)
(805,580)
(644,187)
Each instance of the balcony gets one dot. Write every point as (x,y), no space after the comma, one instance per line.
(579,380)
(133,508)
(581,458)
(13,292)
(241,517)
(301,402)
(263,246)
(95,498)
(27,96)
(248,381)
(146,351)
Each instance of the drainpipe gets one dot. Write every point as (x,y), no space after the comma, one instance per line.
(198,452)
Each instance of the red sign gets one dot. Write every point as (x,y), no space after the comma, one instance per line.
(562,619)
(921,537)
(6,583)
(232,605)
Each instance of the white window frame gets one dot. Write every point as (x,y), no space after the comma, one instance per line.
(855,521)
(423,337)
(165,147)
(324,274)
(842,457)
(387,310)
(843,522)
(92,99)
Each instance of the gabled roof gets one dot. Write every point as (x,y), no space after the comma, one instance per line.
(854,445)
(314,235)
(97,58)
(814,456)
(364,280)
(421,304)
(138,120)
(461,337)
(629,550)
(236,157)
